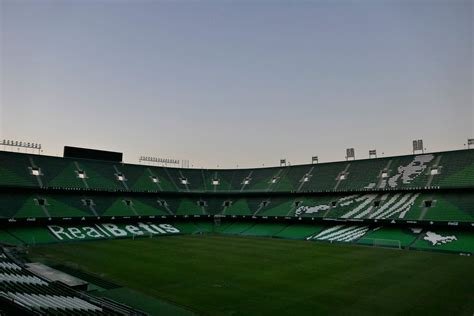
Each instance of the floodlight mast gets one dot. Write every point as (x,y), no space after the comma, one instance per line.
(163,161)
(185,163)
(418,146)
(314,160)
(350,153)
(20,144)
(470,143)
(373,153)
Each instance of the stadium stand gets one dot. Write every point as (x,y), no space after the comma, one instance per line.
(298,231)
(350,201)
(264,229)
(390,237)
(30,294)
(400,206)
(340,233)
(237,228)
(446,240)
(453,169)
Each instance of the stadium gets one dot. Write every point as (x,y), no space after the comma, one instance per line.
(76,215)
(236,158)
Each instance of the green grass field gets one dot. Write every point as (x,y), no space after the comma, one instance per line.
(221,275)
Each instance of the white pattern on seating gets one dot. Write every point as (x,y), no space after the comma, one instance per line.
(437,239)
(53,301)
(21,279)
(370,186)
(385,205)
(402,200)
(409,172)
(367,211)
(350,235)
(38,301)
(350,198)
(311,209)
(324,234)
(368,199)
(408,206)
(397,207)
(9,265)
(344,201)
(355,235)
(326,231)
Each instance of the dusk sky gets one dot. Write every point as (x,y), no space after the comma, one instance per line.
(237,82)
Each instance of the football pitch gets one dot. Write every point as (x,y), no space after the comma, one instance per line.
(226,275)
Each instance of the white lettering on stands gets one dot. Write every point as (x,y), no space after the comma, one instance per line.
(57,231)
(134,230)
(102,230)
(169,228)
(92,232)
(114,230)
(159,230)
(108,230)
(76,232)
(147,228)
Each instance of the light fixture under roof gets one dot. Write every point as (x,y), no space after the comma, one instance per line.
(35,171)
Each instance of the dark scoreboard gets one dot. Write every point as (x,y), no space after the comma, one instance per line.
(87,153)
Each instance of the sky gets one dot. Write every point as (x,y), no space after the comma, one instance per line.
(237,83)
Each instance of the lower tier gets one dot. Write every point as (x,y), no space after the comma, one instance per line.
(409,237)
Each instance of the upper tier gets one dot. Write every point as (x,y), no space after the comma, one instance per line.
(453,169)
